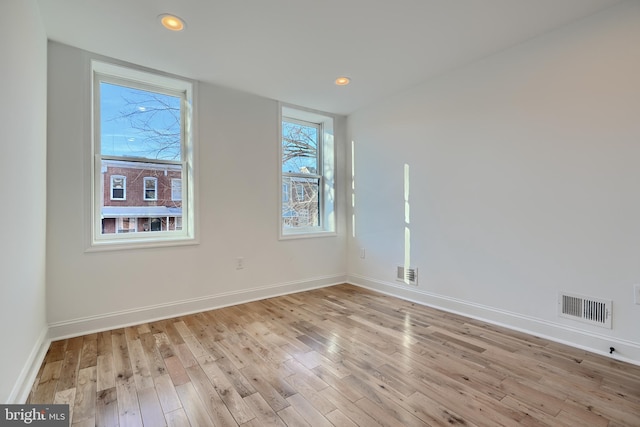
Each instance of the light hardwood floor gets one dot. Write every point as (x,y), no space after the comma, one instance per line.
(341,356)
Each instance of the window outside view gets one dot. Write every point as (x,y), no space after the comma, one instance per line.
(140,157)
(301,174)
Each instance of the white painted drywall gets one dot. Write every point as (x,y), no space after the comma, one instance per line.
(524,181)
(23,123)
(238,216)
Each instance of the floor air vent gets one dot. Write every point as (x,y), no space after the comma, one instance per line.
(584,309)
(408,275)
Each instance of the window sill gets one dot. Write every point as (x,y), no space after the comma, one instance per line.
(306,234)
(120,245)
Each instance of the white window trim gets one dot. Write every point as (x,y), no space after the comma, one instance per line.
(124,187)
(144,189)
(143,77)
(327,214)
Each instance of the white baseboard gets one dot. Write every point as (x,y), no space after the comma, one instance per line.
(22,386)
(625,351)
(119,319)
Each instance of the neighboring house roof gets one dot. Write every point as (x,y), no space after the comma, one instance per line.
(141,165)
(139,211)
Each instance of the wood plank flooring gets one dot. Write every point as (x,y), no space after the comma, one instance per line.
(338,356)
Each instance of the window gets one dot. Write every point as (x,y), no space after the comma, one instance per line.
(176,189)
(299,192)
(150,188)
(307,165)
(155,224)
(126,225)
(142,140)
(118,187)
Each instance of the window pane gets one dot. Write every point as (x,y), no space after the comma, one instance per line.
(299,147)
(149,199)
(118,193)
(156,224)
(139,123)
(301,210)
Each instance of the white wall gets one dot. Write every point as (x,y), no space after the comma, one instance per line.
(238,207)
(23,121)
(524,181)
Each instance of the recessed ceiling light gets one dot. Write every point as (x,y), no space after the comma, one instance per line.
(172,22)
(343,81)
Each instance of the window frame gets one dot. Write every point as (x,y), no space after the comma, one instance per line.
(153,81)
(145,189)
(124,187)
(325,173)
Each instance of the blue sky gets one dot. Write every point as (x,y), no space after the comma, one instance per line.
(150,110)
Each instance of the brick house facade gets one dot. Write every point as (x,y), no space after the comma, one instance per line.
(139,197)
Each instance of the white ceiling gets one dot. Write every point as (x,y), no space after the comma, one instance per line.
(292,50)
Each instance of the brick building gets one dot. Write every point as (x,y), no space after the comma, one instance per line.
(141,197)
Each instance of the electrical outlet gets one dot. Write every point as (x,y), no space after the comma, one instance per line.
(239,263)
(362,253)
(636,294)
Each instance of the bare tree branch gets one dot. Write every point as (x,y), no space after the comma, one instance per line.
(157,122)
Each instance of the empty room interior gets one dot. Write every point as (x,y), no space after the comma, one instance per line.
(322,213)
